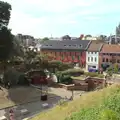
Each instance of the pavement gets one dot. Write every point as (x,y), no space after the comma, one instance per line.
(55,94)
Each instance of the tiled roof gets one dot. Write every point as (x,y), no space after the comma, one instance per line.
(76,44)
(110,48)
(95,46)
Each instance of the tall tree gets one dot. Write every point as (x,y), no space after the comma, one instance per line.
(5,9)
(88,36)
(6,38)
(45,39)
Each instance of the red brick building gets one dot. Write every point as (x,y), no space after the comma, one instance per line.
(109,54)
(69,51)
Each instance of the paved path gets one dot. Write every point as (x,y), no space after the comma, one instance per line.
(36,107)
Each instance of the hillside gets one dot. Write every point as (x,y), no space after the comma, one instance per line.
(98,105)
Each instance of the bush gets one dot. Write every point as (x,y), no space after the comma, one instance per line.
(93,74)
(108,115)
(107,109)
(22,80)
(59,66)
(73,72)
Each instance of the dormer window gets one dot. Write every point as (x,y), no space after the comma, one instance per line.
(80,45)
(74,45)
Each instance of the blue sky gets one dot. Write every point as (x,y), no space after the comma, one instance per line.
(60,17)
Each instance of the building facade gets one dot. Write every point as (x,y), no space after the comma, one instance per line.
(69,51)
(110,54)
(92,56)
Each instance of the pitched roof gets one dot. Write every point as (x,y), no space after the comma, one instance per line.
(76,44)
(110,48)
(95,46)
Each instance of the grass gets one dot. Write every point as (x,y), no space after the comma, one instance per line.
(82,107)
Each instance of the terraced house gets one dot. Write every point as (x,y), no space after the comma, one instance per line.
(92,56)
(73,51)
(109,55)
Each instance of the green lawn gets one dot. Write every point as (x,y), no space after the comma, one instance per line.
(88,107)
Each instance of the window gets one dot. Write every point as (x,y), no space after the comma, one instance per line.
(80,45)
(95,52)
(64,45)
(106,59)
(103,59)
(95,59)
(69,45)
(91,52)
(93,66)
(118,61)
(91,59)
(88,52)
(88,59)
(74,45)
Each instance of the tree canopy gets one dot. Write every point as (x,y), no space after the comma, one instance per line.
(5,9)
(6,38)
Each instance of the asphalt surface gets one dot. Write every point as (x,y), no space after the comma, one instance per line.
(36,106)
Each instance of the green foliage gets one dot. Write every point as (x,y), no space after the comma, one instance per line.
(6,38)
(116,68)
(44,39)
(110,71)
(6,43)
(93,74)
(108,115)
(107,109)
(66,79)
(73,72)
(59,66)
(5,9)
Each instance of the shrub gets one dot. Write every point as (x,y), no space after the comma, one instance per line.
(108,115)
(107,109)
(59,66)
(66,79)
(73,72)
(116,68)
(93,74)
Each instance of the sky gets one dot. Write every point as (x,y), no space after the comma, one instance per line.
(45,18)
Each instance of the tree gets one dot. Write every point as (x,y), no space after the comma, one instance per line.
(116,68)
(6,43)
(17,50)
(6,38)
(45,39)
(110,71)
(5,9)
(88,36)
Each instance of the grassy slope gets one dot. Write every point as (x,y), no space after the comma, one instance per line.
(85,104)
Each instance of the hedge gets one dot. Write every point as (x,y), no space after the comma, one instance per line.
(93,74)
(73,72)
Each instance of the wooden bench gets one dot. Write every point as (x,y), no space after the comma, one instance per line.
(3,118)
(24,111)
(45,105)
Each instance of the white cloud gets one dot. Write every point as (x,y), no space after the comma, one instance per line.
(40,17)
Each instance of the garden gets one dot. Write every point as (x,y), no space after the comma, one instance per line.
(69,75)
